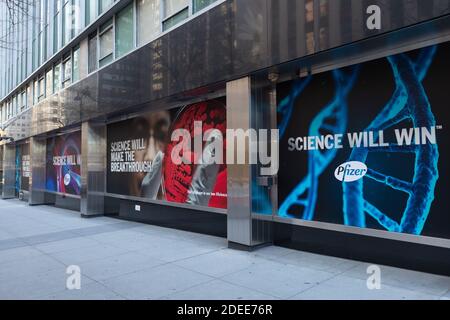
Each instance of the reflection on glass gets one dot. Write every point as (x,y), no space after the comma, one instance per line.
(148,20)
(309,10)
(124,31)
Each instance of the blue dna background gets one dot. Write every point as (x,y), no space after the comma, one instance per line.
(398,192)
(18,175)
(69,144)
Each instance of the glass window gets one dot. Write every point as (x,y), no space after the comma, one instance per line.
(23,99)
(56,78)
(91,10)
(76,64)
(41,88)
(29,95)
(35,54)
(92,59)
(106,43)
(19,102)
(201,4)
(148,20)
(56,27)
(66,71)
(39,48)
(124,31)
(105,4)
(14,105)
(176,19)
(35,92)
(49,83)
(172,7)
(309,10)
(76,17)
(67,23)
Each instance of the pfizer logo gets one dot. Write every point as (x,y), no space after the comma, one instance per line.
(350,171)
(67,179)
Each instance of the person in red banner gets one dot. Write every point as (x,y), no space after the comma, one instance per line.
(153,129)
(195,183)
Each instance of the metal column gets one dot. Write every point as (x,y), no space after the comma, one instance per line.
(93,168)
(9,171)
(38,149)
(243,231)
(1,169)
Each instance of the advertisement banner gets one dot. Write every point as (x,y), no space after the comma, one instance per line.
(63,168)
(18,175)
(142,156)
(25,167)
(367,145)
(22,161)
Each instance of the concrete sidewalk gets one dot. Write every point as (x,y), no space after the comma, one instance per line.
(126,260)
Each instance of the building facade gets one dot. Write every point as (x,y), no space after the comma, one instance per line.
(92,94)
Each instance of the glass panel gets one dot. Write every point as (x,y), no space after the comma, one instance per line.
(201,4)
(49,83)
(176,19)
(44,44)
(105,4)
(173,6)
(91,10)
(124,31)
(19,101)
(309,9)
(24,100)
(106,25)
(106,60)
(56,43)
(149,20)
(36,92)
(34,53)
(41,88)
(67,23)
(92,54)
(29,95)
(14,105)
(106,43)
(76,17)
(76,67)
(67,72)
(56,78)
(39,49)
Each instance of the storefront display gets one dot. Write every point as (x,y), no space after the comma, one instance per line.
(366,145)
(22,161)
(140,156)
(63,168)
(25,167)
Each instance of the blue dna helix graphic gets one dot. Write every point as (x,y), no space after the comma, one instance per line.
(260,197)
(331,120)
(408,103)
(286,106)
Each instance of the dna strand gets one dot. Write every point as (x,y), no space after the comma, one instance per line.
(18,170)
(408,103)
(260,198)
(286,106)
(70,147)
(331,120)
